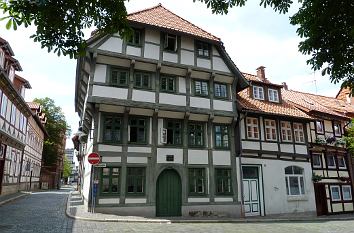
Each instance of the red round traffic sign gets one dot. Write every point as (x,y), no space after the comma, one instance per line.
(94,158)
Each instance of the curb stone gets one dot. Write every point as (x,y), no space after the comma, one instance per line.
(14,198)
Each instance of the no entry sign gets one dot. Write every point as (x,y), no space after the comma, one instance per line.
(94,158)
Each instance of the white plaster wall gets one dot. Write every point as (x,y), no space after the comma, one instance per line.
(198,157)
(221,158)
(162,152)
(136,159)
(181,85)
(301,149)
(152,51)
(215,51)
(113,44)
(170,57)
(198,199)
(143,96)
(223,105)
(100,73)
(187,57)
(108,201)
(172,99)
(250,145)
(223,199)
(261,130)
(187,43)
(110,148)
(328,126)
(219,64)
(198,102)
(116,159)
(269,146)
(139,149)
(152,36)
(287,148)
(204,63)
(275,197)
(134,51)
(243,130)
(109,92)
(86,179)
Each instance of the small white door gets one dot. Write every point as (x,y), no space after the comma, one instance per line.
(251,194)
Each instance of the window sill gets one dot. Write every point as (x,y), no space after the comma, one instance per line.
(134,45)
(298,198)
(222,98)
(170,51)
(204,57)
(201,96)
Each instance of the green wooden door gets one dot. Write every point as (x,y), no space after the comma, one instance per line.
(168,194)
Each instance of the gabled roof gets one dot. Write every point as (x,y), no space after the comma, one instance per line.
(6,47)
(24,81)
(159,16)
(253,105)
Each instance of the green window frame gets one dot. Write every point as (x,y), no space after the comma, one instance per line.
(112,129)
(174,132)
(136,180)
(221,139)
(197,181)
(135,38)
(221,90)
(201,88)
(142,80)
(168,84)
(223,184)
(118,77)
(138,129)
(203,49)
(196,134)
(110,181)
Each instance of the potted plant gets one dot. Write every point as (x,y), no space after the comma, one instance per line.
(316,178)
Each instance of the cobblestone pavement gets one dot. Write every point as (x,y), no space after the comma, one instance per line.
(45,212)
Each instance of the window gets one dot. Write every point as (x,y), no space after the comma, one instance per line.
(252,128)
(258,93)
(273,95)
(174,132)
(203,49)
(341,162)
(331,162)
(13,114)
(110,180)
(201,88)
(286,131)
(337,129)
(299,132)
(2,59)
(335,193)
(347,192)
(271,130)
(136,180)
(137,130)
(319,127)
(142,80)
(221,136)
(197,181)
(170,43)
(195,134)
(3,105)
(112,129)
(119,77)
(223,181)
(317,160)
(135,38)
(168,84)
(220,90)
(294,180)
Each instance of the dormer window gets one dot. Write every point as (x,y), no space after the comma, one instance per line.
(135,38)
(170,43)
(273,95)
(203,49)
(258,93)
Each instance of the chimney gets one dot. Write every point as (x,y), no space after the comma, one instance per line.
(285,85)
(261,74)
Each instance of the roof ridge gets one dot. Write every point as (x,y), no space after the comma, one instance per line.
(160,5)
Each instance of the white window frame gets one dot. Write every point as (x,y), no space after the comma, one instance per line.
(252,126)
(350,192)
(299,135)
(2,59)
(343,159)
(273,95)
(286,130)
(331,188)
(319,123)
(338,126)
(270,130)
(298,176)
(258,93)
(320,160)
(334,161)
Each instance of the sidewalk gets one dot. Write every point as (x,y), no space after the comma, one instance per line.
(11,197)
(77,210)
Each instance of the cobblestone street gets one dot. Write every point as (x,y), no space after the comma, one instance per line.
(45,212)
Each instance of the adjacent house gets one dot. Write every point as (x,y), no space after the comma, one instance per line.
(159,107)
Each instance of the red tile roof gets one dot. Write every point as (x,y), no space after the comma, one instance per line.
(33,105)
(159,16)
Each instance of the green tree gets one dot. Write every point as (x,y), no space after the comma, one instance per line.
(57,128)
(326,26)
(350,138)
(67,168)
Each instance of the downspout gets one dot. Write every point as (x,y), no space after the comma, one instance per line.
(240,165)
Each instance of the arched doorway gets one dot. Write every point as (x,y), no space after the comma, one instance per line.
(168,194)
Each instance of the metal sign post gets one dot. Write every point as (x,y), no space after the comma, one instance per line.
(93,159)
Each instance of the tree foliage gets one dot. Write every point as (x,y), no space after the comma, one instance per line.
(56,127)
(67,168)
(350,138)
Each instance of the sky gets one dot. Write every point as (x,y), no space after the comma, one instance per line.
(252,35)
